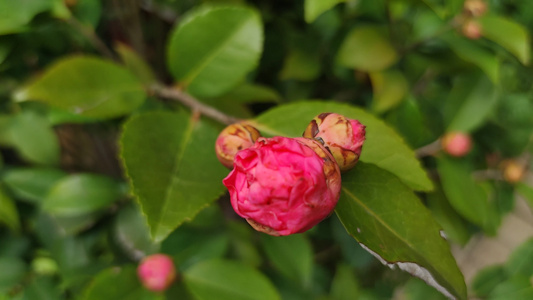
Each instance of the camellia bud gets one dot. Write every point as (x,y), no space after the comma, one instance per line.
(284,185)
(232,139)
(471,29)
(456,143)
(343,137)
(475,8)
(156,272)
(513,171)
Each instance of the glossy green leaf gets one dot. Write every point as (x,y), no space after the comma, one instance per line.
(508,34)
(367,49)
(228,280)
(345,285)
(471,52)
(224,43)
(467,196)
(521,260)
(516,288)
(383,147)
(34,138)
(291,255)
(252,93)
(477,106)
(13,270)
(32,184)
(455,228)
(42,288)
(136,64)
(172,167)
(88,12)
(88,86)
(314,8)
(80,194)
(132,233)
(416,289)
(487,279)
(375,207)
(525,191)
(118,283)
(8,212)
(301,64)
(14,15)
(390,88)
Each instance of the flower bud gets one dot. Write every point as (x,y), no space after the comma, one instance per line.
(456,143)
(156,272)
(232,139)
(343,137)
(513,171)
(471,29)
(475,8)
(284,185)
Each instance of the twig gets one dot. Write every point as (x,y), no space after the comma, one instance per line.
(94,39)
(429,149)
(193,103)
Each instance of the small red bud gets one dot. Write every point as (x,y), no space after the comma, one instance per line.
(343,137)
(472,30)
(232,139)
(156,272)
(456,143)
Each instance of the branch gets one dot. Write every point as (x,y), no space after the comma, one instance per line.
(429,149)
(193,103)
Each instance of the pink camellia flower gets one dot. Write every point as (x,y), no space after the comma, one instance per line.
(156,272)
(284,185)
(343,137)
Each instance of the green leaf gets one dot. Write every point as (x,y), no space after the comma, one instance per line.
(34,138)
(87,86)
(416,289)
(81,194)
(228,280)
(42,288)
(132,233)
(467,196)
(291,255)
(383,147)
(301,64)
(118,283)
(367,49)
(487,279)
(390,222)
(32,184)
(516,288)
(314,8)
(172,167)
(525,191)
(390,88)
(8,212)
(471,52)
(136,64)
(345,285)
(508,34)
(477,106)
(14,15)
(13,270)
(521,260)
(222,44)
(88,12)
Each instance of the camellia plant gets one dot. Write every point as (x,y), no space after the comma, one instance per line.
(363,139)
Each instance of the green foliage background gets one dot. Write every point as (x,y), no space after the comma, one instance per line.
(109,111)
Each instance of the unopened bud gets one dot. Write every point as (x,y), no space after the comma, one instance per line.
(341,136)
(156,272)
(513,171)
(232,139)
(472,29)
(456,143)
(475,8)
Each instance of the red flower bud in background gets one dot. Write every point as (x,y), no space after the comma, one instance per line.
(343,137)
(156,272)
(232,139)
(284,185)
(456,143)
(472,29)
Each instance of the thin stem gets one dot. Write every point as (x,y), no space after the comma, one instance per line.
(429,149)
(193,103)
(94,39)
